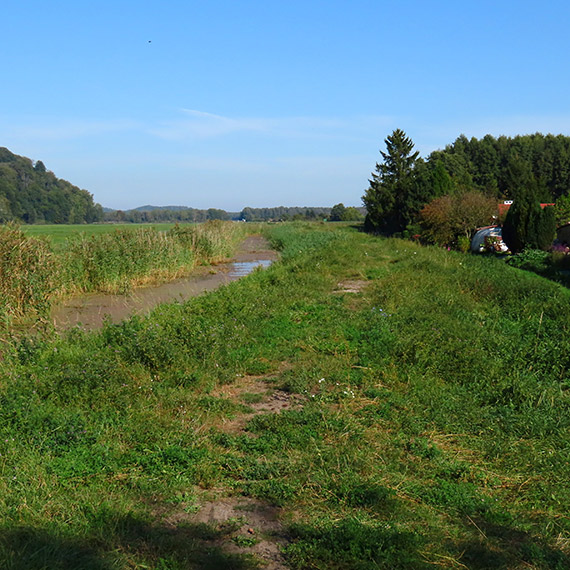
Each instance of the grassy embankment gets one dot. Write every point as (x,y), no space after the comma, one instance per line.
(432,428)
(35,271)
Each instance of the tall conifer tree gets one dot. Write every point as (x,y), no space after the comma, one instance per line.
(390,194)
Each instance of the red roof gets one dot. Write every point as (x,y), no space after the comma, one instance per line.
(504,208)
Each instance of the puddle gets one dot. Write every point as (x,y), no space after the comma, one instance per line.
(91,311)
(243,268)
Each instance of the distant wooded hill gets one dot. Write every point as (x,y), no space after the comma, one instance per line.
(31,194)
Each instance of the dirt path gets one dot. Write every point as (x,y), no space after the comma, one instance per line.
(243,532)
(90,311)
(242,527)
(239,528)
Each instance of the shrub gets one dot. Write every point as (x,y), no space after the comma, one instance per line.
(527,225)
(452,219)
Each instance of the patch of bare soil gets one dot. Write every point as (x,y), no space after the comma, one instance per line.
(263,399)
(239,525)
(351,286)
(253,248)
(244,525)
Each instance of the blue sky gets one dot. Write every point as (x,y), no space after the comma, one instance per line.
(230,104)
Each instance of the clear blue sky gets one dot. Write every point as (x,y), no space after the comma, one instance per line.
(230,104)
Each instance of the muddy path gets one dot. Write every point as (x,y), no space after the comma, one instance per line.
(90,311)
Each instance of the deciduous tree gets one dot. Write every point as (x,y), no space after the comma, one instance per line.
(447,219)
(337,213)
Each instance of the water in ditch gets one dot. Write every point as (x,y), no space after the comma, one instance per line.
(90,311)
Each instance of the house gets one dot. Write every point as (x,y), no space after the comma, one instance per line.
(481,239)
(504,208)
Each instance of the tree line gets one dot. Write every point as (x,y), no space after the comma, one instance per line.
(31,194)
(283,213)
(444,197)
(152,214)
(155,214)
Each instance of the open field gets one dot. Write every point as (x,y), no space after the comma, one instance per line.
(59,233)
(363,403)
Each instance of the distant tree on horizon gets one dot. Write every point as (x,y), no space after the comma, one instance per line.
(337,213)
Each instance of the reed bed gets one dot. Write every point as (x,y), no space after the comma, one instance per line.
(212,241)
(33,275)
(27,275)
(117,261)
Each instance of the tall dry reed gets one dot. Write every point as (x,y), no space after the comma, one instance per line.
(28,276)
(212,241)
(116,261)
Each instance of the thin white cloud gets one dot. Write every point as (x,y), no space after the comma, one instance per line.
(192,124)
(200,124)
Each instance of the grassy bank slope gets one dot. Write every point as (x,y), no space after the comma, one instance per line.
(423,419)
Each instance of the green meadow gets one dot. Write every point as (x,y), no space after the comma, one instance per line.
(390,405)
(58,234)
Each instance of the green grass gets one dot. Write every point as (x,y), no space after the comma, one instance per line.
(59,233)
(433,430)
